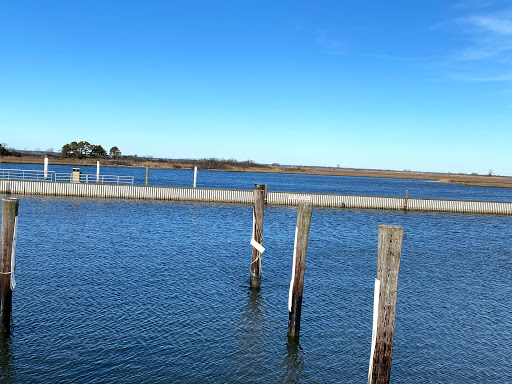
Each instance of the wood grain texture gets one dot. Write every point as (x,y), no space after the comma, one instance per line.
(299,265)
(9,213)
(388,264)
(258,208)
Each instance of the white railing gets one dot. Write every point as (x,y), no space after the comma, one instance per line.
(95,179)
(26,174)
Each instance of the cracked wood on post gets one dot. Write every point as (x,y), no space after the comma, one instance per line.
(388,264)
(9,214)
(299,265)
(259,197)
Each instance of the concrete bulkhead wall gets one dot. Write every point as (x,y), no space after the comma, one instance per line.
(21,187)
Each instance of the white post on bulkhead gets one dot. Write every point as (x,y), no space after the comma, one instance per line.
(46,167)
(97,172)
(195,176)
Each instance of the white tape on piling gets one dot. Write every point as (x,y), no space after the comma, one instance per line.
(376,295)
(293,271)
(13,254)
(260,248)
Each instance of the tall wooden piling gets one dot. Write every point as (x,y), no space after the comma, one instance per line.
(299,265)
(257,234)
(195,177)
(388,264)
(97,172)
(8,245)
(147,175)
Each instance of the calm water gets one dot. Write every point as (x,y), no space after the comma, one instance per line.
(156,292)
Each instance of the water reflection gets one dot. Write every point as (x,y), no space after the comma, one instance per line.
(293,363)
(6,368)
(250,333)
(252,323)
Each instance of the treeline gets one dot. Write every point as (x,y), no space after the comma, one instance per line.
(206,163)
(86,150)
(4,151)
(213,163)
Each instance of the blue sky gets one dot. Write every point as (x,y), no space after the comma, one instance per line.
(419,85)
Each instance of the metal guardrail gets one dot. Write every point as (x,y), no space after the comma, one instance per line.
(33,175)
(26,174)
(95,179)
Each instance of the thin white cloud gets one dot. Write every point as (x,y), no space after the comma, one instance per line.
(495,24)
(486,49)
(487,53)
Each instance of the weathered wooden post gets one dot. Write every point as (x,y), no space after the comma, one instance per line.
(7,263)
(147,175)
(405,200)
(45,173)
(97,172)
(299,265)
(384,306)
(195,176)
(257,235)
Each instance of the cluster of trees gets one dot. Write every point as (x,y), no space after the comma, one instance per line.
(4,151)
(84,149)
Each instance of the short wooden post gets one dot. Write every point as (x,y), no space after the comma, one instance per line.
(405,200)
(257,235)
(195,176)
(8,246)
(386,284)
(299,265)
(147,175)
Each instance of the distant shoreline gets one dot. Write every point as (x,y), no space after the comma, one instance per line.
(473,180)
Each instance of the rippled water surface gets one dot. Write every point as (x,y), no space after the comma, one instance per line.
(158,292)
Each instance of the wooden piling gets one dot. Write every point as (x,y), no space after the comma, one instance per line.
(257,235)
(195,176)
(299,265)
(45,172)
(386,284)
(405,200)
(8,246)
(147,175)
